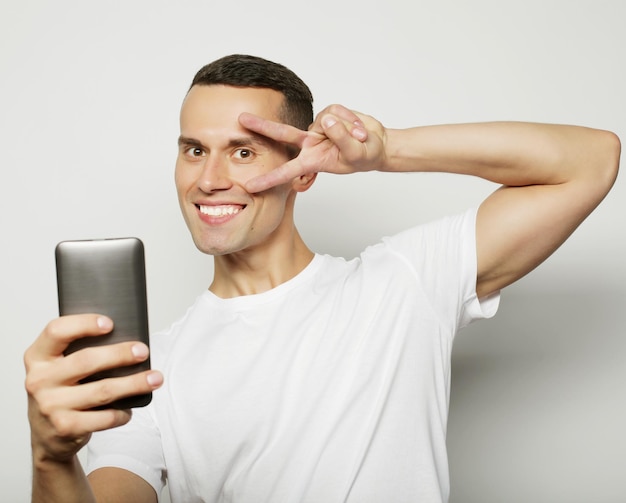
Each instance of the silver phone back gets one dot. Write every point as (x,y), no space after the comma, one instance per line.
(107,277)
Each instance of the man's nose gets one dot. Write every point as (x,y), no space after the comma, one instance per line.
(214,175)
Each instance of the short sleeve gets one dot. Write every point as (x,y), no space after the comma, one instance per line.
(443,256)
(135,446)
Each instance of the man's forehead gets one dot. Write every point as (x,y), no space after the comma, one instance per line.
(221,101)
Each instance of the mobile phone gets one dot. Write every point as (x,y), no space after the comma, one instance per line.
(106,276)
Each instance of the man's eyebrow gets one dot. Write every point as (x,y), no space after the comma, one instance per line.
(241,141)
(246,141)
(186,141)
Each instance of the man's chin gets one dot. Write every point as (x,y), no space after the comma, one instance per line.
(216,249)
(215,252)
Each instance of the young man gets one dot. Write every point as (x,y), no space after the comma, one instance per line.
(299,377)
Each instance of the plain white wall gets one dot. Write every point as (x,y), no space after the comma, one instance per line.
(89,97)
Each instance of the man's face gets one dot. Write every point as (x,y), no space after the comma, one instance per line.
(216,156)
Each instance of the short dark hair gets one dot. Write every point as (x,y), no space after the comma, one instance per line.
(240,70)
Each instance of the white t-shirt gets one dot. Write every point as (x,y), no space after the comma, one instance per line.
(332,387)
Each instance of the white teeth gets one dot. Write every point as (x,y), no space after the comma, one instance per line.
(220,211)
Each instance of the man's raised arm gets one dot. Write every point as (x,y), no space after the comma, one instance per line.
(552,176)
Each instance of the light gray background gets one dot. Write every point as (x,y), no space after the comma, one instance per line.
(89,97)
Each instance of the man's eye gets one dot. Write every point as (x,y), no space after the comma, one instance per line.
(243,153)
(195,152)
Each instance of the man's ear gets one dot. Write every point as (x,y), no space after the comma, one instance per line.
(303,182)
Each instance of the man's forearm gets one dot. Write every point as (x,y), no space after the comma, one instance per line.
(508,153)
(63,482)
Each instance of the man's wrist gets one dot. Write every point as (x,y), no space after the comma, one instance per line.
(402,151)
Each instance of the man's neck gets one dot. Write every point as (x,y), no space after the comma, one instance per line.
(259,270)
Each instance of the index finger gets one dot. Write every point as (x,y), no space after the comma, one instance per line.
(277,176)
(276,131)
(58,334)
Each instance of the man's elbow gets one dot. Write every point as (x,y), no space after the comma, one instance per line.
(609,166)
(601,156)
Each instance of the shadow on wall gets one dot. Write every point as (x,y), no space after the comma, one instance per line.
(538,404)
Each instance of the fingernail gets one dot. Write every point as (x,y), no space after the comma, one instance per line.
(328,121)
(104,323)
(359,134)
(140,351)
(154,379)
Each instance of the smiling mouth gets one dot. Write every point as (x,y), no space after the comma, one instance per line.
(220,210)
